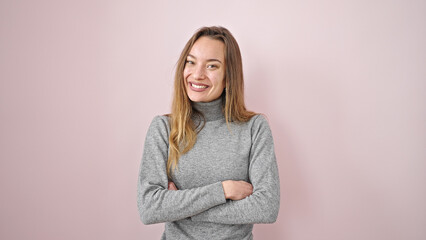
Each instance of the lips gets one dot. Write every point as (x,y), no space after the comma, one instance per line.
(198,84)
(198,87)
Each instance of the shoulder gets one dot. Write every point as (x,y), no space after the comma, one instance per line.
(258,120)
(260,125)
(160,120)
(159,124)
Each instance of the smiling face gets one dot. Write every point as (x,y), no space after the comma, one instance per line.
(204,71)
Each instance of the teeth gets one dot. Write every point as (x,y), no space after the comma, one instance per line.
(196,86)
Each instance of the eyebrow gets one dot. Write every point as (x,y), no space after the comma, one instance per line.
(208,60)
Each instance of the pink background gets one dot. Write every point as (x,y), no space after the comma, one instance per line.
(343,84)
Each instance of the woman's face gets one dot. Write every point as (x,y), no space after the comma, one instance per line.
(204,71)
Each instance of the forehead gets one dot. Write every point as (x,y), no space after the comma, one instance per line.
(207,48)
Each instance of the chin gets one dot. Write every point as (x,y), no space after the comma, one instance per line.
(197,99)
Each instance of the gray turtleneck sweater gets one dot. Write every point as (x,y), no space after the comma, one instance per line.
(199,210)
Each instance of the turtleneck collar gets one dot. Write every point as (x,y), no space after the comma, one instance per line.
(211,110)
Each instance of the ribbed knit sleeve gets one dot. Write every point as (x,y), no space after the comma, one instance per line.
(155,202)
(263,205)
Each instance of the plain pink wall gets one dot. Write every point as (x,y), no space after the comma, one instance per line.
(343,84)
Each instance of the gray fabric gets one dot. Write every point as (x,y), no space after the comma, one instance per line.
(199,210)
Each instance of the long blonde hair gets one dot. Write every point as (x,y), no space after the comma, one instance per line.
(183,133)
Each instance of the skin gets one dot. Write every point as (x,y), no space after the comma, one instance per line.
(205,65)
(236,190)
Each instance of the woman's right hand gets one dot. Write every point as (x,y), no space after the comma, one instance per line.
(236,190)
(172,186)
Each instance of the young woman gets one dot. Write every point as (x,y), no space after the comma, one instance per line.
(208,169)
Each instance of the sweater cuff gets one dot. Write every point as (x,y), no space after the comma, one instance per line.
(218,193)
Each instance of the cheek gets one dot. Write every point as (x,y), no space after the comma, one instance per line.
(185,73)
(220,79)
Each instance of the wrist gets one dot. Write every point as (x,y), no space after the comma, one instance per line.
(224,185)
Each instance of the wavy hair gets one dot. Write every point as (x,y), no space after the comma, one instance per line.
(183,134)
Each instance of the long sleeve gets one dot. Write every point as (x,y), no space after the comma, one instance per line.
(263,205)
(155,202)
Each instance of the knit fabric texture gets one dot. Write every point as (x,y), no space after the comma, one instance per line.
(199,210)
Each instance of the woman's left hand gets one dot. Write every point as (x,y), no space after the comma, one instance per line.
(172,186)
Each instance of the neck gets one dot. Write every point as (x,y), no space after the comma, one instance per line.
(211,110)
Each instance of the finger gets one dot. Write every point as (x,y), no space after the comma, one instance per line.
(172,186)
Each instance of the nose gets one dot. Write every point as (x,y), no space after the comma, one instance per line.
(199,73)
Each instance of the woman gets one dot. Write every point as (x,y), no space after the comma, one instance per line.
(208,169)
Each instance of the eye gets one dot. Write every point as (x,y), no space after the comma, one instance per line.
(189,62)
(211,66)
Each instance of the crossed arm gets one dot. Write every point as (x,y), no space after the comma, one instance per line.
(233,190)
(228,202)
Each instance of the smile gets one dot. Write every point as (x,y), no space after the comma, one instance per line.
(199,86)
